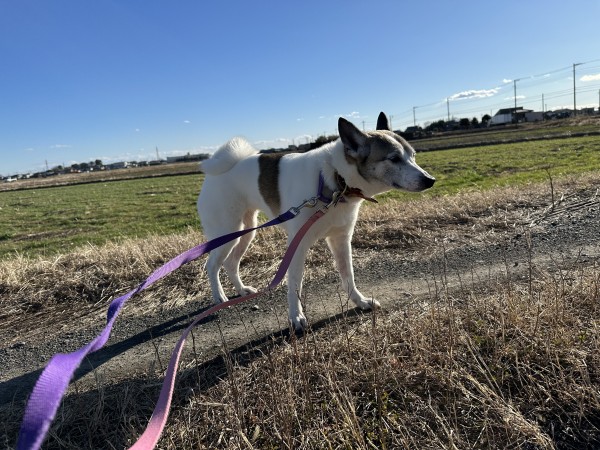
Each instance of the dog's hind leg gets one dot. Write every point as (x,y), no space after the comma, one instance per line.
(213,266)
(232,262)
(216,223)
(342,254)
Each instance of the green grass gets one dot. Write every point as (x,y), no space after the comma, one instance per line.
(523,131)
(506,164)
(54,220)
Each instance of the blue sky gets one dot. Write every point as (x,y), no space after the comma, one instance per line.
(114,80)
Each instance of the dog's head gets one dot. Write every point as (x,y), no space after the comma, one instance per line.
(382,157)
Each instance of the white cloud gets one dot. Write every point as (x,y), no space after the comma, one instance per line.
(186,121)
(353,115)
(595,77)
(272,143)
(59,146)
(303,139)
(474,93)
(148,155)
(506,81)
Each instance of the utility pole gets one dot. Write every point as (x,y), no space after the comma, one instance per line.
(157,156)
(448,107)
(574,92)
(391,127)
(414,116)
(543,112)
(515,94)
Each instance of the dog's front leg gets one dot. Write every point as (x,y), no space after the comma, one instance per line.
(342,254)
(295,275)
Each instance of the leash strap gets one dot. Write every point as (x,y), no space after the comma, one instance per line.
(161,411)
(54,380)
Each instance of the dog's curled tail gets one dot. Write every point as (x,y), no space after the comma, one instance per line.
(227,156)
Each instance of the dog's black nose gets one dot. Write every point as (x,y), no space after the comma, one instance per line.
(427,181)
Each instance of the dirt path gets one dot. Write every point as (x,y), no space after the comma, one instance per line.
(147,330)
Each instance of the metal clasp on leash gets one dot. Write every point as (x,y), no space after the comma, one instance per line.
(336,197)
(310,203)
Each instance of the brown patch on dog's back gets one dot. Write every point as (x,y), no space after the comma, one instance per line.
(268,179)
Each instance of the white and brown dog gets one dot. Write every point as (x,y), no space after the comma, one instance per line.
(240,181)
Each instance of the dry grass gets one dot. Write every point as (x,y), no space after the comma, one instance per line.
(508,363)
(496,370)
(493,369)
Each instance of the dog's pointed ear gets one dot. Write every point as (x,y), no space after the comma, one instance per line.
(353,139)
(383,122)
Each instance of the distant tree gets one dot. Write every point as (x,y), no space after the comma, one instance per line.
(486,119)
(475,122)
(440,125)
(464,123)
(98,163)
(322,140)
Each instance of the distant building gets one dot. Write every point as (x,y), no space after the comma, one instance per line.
(118,165)
(560,113)
(534,116)
(187,158)
(510,115)
(586,111)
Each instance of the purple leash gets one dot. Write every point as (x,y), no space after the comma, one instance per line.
(54,380)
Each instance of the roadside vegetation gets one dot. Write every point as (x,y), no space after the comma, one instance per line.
(492,369)
(510,361)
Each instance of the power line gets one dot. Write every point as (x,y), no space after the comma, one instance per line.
(478,103)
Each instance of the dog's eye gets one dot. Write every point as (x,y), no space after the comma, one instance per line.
(395,159)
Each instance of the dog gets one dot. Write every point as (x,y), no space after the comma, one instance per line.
(240,181)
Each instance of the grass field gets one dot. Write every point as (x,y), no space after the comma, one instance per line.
(54,219)
(522,132)
(509,360)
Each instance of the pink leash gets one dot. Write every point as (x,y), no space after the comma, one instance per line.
(161,411)
(54,379)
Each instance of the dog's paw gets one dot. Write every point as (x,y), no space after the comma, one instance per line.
(367,303)
(247,290)
(218,299)
(299,322)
